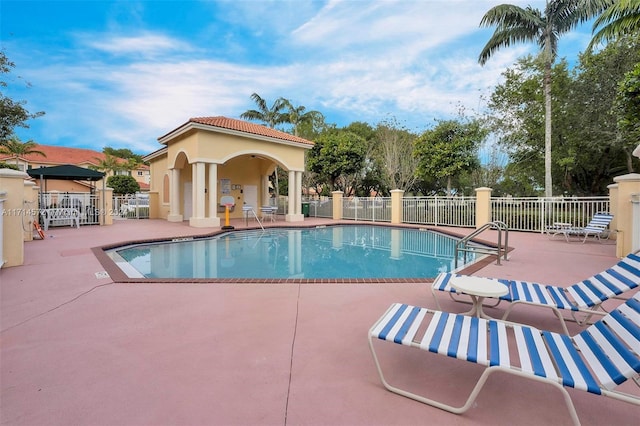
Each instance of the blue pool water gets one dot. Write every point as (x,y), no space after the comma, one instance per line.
(348,251)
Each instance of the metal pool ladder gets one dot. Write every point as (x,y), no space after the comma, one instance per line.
(500,250)
(249,209)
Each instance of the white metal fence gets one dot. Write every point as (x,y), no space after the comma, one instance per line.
(134,206)
(86,203)
(520,214)
(444,211)
(374,209)
(131,206)
(535,214)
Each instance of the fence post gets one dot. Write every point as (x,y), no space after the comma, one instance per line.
(396,205)
(106,214)
(635,222)
(483,206)
(154,206)
(12,186)
(628,185)
(337,205)
(613,206)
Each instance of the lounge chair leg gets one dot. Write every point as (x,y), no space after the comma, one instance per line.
(456,410)
(476,389)
(555,310)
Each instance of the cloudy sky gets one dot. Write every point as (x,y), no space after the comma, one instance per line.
(122,73)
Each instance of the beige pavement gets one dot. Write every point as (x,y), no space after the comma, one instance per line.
(83,350)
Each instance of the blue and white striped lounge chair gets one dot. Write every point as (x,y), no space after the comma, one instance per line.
(596,228)
(597,360)
(581,300)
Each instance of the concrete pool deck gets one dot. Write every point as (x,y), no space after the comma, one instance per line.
(77,348)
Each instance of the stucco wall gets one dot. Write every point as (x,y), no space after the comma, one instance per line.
(159,169)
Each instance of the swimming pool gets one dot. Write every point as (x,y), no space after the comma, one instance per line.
(331,252)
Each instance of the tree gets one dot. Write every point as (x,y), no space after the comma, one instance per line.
(448,150)
(122,184)
(12,113)
(125,153)
(4,165)
(491,173)
(628,105)
(589,147)
(337,157)
(395,150)
(296,116)
(621,17)
(110,163)
(270,117)
(515,24)
(13,146)
(593,101)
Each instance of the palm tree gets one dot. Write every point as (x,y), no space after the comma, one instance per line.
(271,117)
(619,18)
(13,146)
(515,24)
(296,115)
(110,163)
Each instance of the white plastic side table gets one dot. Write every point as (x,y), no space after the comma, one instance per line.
(478,288)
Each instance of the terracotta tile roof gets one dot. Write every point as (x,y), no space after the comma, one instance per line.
(56,155)
(245,127)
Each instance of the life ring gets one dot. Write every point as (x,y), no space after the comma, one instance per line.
(39,229)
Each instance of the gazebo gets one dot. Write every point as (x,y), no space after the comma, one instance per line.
(66,172)
(208,159)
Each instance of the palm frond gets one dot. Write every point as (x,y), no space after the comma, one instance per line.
(620,18)
(508,15)
(513,25)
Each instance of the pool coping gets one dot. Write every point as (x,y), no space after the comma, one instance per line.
(118,275)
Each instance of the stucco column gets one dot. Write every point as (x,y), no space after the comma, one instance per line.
(635,222)
(299,191)
(295,191)
(198,219)
(199,189)
(13,210)
(291,194)
(628,186)
(106,214)
(613,207)
(197,186)
(174,196)
(265,190)
(483,206)
(337,204)
(396,205)
(213,194)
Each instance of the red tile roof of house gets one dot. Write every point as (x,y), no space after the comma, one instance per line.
(56,155)
(244,127)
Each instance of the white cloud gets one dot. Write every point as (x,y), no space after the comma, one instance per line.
(141,44)
(415,60)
